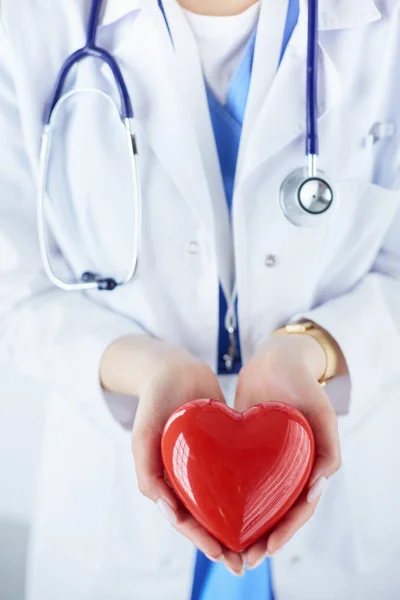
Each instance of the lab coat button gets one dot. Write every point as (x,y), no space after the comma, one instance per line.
(166,562)
(193,247)
(270,260)
(295,559)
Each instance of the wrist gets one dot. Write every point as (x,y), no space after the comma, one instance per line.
(327,344)
(125,362)
(313,355)
(130,363)
(302,349)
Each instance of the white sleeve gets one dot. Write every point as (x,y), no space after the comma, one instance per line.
(365,322)
(56,336)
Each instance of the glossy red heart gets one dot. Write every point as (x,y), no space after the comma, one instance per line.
(237,473)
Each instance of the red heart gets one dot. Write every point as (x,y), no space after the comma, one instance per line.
(237,473)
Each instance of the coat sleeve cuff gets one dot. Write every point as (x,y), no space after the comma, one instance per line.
(108,411)
(365,330)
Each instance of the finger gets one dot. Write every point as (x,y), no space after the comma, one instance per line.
(146,450)
(298,515)
(245,396)
(187,525)
(193,531)
(212,390)
(150,475)
(199,383)
(323,422)
(310,398)
(233,562)
(256,554)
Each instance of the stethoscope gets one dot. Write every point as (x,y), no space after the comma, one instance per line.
(305,194)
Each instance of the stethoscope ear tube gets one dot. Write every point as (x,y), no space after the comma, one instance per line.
(42,225)
(91,50)
(88,280)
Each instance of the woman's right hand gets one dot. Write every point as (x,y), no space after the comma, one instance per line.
(164,377)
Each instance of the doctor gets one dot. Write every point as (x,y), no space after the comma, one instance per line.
(221,268)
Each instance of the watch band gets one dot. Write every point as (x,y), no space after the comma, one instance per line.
(309,328)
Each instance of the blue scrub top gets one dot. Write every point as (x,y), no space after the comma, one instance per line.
(211,580)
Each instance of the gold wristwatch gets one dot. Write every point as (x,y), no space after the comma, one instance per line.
(309,328)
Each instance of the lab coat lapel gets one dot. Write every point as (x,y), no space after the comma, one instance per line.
(282,116)
(148,61)
(114,10)
(193,87)
(266,59)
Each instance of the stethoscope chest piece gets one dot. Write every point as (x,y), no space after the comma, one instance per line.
(306,201)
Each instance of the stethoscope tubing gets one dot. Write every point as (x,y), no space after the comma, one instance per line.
(312,81)
(90,50)
(89,281)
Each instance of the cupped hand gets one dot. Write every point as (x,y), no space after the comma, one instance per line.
(164,378)
(287,369)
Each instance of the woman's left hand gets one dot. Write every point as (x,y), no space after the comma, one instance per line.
(287,369)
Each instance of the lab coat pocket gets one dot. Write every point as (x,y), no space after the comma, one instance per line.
(362,216)
(363,208)
(371,454)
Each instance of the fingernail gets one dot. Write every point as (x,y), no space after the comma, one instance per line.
(258,562)
(316,489)
(219,559)
(167,511)
(236,573)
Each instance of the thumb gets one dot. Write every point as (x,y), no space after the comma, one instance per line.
(217,393)
(147,435)
(203,385)
(146,450)
(246,394)
(323,421)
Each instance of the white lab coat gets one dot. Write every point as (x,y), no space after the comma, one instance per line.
(95,537)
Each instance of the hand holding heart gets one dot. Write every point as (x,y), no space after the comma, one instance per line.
(165,379)
(286,369)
